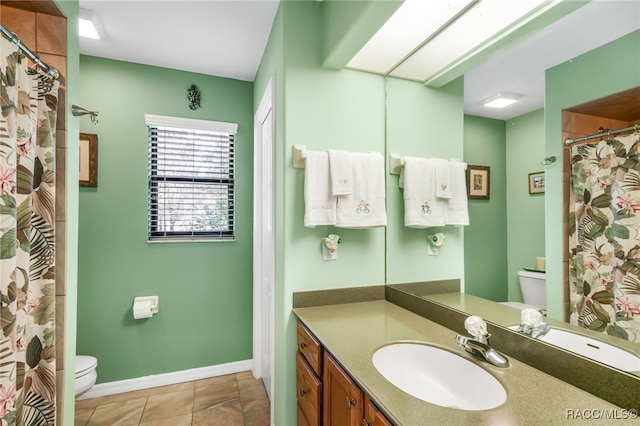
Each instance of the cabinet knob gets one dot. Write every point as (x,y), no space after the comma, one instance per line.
(365,422)
(349,402)
(303,392)
(303,345)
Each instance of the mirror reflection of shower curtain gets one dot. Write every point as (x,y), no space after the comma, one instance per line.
(27,219)
(604,236)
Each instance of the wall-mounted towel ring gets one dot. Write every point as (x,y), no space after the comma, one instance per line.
(548,160)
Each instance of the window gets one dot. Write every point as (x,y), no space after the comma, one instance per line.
(191,179)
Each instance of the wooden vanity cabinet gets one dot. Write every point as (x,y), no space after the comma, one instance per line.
(326,394)
(342,396)
(308,378)
(373,416)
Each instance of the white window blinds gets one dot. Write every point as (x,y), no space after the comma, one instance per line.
(191,179)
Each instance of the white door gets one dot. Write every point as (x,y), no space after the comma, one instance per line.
(263,244)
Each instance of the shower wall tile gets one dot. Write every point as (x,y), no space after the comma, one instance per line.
(60,315)
(51,34)
(61,183)
(21,22)
(61,258)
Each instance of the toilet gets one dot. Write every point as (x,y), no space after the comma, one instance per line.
(534,291)
(86,374)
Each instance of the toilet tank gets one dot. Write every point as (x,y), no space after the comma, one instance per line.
(534,288)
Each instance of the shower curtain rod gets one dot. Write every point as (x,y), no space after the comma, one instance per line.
(635,127)
(52,72)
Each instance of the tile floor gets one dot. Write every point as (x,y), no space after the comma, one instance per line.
(234,399)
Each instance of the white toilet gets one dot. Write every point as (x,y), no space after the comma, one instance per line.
(534,291)
(86,374)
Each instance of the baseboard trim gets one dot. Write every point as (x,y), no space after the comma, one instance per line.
(146,382)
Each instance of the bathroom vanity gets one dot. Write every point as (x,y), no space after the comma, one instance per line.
(346,335)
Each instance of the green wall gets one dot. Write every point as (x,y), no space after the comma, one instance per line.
(612,68)
(357,111)
(525,212)
(485,239)
(204,288)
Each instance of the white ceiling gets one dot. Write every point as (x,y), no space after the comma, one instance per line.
(194,36)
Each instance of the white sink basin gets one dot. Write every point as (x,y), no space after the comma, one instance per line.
(591,348)
(438,376)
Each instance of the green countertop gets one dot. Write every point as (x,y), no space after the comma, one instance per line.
(352,332)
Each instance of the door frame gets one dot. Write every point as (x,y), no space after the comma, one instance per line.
(262,198)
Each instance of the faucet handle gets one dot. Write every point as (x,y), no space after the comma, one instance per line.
(476,327)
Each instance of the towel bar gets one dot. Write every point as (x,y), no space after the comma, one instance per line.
(396,163)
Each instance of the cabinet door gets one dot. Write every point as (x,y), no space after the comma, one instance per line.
(342,397)
(309,390)
(373,416)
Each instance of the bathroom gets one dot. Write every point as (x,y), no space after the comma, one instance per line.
(205,304)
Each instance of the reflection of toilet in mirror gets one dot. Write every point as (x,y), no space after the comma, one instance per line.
(534,291)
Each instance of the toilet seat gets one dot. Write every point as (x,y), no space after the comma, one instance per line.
(85,364)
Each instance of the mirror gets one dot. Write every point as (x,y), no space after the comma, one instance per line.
(617,353)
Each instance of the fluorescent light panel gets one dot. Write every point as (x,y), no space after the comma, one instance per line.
(501,100)
(89,27)
(481,23)
(407,28)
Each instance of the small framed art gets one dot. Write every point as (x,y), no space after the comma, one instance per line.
(88,159)
(478,182)
(536,183)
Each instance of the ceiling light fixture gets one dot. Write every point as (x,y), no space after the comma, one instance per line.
(89,26)
(501,100)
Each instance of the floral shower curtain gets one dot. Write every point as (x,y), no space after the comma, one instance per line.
(27,218)
(604,240)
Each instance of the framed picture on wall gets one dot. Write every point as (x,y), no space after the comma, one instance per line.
(536,183)
(478,182)
(88,159)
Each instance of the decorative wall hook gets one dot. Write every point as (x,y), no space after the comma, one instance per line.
(548,160)
(435,242)
(330,245)
(193,94)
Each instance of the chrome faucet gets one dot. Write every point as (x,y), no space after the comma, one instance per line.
(479,344)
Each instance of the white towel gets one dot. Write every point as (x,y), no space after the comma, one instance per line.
(457,208)
(422,209)
(319,203)
(443,178)
(366,207)
(340,172)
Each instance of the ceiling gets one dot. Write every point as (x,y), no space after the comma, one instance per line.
(194,35)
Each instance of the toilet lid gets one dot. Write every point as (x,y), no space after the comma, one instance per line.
(85,364)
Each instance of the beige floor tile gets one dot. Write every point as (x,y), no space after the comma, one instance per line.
(168,404)
(215,380)
(181,420)
(118,397)
(227,414)
(251,389)
(82,416)
(119,413)
(213,395)
(256,412)
(172,388)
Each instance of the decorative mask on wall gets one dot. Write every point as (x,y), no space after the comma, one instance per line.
(193,94)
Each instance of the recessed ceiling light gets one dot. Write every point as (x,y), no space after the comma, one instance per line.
(89,26)
(501,100)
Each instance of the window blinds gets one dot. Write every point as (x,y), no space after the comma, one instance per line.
(191,181)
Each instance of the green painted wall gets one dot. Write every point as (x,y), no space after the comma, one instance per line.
(422,122)
(525,212)
(323,109)
(72,94)
(205,288)
(485,239)
(612,68)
